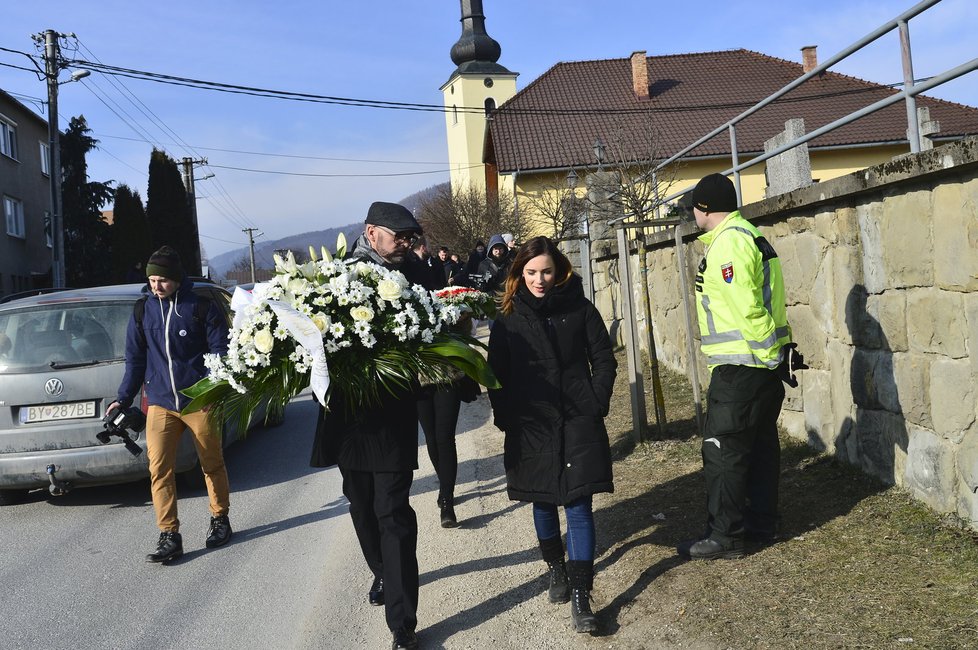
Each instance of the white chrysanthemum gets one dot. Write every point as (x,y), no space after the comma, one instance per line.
(368,340)
(252,358)
(337,330)
(280,333)
(319,301)
(427,336)
(331,347)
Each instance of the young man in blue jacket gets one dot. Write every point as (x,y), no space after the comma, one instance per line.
(165,350)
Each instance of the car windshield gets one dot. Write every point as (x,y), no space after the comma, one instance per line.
(42,337)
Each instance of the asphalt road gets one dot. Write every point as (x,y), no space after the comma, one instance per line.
(72,572)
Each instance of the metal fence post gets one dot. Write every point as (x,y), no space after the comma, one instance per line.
(635,380)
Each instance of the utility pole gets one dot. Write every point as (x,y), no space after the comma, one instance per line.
(251,247)
(188,183)
(51,69)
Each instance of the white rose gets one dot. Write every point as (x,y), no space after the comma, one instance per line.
(389,290)
(244,337)
(264,341)
(320,320)
(362,313)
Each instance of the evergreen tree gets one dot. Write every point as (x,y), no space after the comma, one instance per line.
(168,211)
(131,242)
(87,239)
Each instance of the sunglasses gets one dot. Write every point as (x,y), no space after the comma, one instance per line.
(410,237)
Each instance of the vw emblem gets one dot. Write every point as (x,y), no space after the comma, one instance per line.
(54,387)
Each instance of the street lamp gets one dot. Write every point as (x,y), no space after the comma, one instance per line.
(572,180)
(598,148)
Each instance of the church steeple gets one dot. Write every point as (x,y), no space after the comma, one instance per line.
(476,52)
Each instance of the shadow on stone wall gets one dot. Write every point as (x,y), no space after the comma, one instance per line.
(872,438)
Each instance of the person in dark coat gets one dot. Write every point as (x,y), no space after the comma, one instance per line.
(472,264)
(376,447)
(552,354)
(495,267)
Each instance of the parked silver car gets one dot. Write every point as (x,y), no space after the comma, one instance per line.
(62,357)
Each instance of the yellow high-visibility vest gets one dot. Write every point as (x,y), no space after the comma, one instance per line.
(740,297)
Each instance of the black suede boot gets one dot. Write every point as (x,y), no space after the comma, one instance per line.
(553,554)
(580,574)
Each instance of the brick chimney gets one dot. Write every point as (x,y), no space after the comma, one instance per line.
(809,58)
(640,75)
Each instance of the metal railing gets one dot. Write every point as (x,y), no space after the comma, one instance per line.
(908,93)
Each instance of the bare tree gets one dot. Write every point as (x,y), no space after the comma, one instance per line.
(632,153)
(554,202)
(461,218)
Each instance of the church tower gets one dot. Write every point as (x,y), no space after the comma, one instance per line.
(476,87)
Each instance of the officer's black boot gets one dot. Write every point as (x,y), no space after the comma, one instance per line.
(553,554)
(580,574)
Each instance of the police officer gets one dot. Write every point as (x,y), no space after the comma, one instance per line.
(740,303)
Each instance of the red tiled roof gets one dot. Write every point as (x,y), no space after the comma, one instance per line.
(553,122)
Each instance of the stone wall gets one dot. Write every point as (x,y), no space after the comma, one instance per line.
(881,272)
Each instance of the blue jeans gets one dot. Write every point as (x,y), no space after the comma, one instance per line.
(580,526)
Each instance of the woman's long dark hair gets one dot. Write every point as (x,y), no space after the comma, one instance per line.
(533,248)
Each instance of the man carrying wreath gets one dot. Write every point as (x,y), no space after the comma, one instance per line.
(376,448)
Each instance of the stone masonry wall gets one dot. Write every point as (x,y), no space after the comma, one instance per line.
(881,272)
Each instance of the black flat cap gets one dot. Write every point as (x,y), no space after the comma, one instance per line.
(393,216)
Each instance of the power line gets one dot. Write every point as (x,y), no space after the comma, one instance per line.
(269,171)
(296,156)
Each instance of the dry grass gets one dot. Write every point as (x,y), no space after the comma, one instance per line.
(859,564)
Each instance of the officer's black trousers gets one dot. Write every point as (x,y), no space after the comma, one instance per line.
(387,529)
(741,451)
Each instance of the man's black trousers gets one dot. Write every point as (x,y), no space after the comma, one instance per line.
(741,451)
(387,529)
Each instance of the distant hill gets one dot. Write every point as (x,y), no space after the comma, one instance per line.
(300,243)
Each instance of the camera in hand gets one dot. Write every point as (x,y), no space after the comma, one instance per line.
(119,422)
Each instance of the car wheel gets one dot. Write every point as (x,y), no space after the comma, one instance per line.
(12,497)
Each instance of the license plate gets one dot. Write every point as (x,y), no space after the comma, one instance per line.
(65,411)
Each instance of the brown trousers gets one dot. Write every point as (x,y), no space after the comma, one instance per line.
(164,428)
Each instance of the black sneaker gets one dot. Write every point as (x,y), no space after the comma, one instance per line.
(168,548)
(219,532)
(447,510)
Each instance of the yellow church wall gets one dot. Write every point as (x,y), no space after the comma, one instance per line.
(466,130)
(825,164)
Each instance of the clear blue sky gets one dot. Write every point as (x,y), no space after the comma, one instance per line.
(395,50)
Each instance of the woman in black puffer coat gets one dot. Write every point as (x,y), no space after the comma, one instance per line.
(551,352)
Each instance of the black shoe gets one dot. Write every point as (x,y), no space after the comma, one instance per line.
(376,594)
(169,548)
(710,549)
(404,639)
(582,617)
(219,532)
(559,591)
(447,509)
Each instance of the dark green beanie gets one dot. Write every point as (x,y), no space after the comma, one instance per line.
(166,263)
